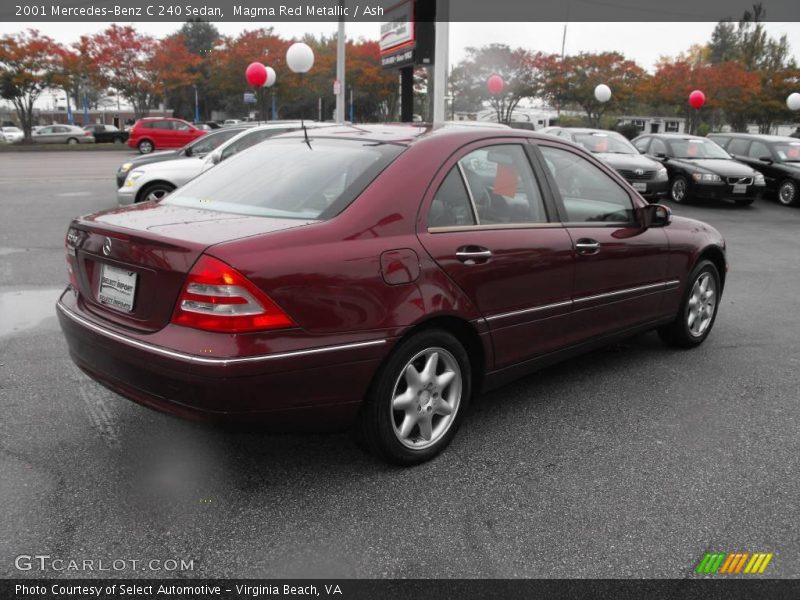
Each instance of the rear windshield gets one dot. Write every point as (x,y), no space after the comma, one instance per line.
(283,177)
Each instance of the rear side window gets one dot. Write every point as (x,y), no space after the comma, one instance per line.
(588,194)
(285,178)
(451,205)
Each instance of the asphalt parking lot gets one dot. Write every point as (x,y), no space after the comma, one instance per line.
(632,461)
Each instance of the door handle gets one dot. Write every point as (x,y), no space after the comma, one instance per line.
(472,254)
(587,246)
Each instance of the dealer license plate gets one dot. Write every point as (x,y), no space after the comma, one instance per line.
(117,288)
(739,188)
(640,187)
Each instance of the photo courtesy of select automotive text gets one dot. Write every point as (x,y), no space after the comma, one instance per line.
(399,299)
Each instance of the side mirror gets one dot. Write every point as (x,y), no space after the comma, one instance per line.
(660,156)
(766,159)
(655,215)
(641,150)
(216,156)
(188,151)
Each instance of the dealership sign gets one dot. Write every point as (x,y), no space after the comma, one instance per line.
(407,38)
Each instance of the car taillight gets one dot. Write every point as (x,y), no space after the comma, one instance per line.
(87,133)
(216,297)
(70,241)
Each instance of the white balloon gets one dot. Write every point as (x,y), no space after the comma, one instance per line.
(300,57)
(793,101)
(271,77)
(602,92)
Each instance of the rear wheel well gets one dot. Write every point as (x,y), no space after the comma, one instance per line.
(464,333)
(716,256)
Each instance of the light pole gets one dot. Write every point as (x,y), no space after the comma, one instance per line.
(196,105)
(340,70)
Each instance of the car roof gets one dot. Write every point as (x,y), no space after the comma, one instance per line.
(590,130)
(755,136)
(672,136)
(412,133)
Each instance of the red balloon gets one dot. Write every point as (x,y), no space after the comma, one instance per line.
(495,84)
(256,74)
(697,99)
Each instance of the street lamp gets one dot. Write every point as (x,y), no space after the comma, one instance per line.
(196,105)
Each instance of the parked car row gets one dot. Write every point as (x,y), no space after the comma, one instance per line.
(731,167)
(374,277)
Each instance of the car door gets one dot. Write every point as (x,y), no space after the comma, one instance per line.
(183,133)
(756,153)
(620,267)
(487,223)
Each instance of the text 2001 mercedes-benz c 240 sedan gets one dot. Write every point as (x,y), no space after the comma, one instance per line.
(377,277)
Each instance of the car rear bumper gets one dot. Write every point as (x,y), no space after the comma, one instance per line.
(317,388)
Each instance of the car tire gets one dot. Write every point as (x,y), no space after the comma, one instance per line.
(417,400)
(698,309)
(788,193)
(146,147)
(679,190)
(154,192)
(744,202)
(72,141)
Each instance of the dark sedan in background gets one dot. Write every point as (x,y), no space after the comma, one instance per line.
(648,177)
(699,168)
(378,276)
(775,157)
(107,134)
(197,148)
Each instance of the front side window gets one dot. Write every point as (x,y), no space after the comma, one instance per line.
(737,146)
(588,194)
(658,147)
(641,144)
(178,126)
(503,186)
(759,150)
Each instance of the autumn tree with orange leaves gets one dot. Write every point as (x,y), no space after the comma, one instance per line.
(29,65)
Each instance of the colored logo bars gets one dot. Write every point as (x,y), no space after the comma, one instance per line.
(733,563)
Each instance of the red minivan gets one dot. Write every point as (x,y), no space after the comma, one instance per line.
(157,133)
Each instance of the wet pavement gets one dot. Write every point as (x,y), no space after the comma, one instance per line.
(632,461)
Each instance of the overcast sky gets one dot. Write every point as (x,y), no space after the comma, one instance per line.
(642,42)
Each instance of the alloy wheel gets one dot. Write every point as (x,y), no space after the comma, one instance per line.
(679,190)
(787,193)
(156,194)
(702,304)
(426,398)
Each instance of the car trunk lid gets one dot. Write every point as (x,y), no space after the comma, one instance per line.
(132,262)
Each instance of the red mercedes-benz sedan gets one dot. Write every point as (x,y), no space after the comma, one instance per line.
(378,277)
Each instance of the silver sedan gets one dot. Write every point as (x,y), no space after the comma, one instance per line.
(62,134)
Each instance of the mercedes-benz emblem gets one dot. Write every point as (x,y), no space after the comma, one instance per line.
(639,171)
(107,246)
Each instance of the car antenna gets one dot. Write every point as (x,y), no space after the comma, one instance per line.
(305,133)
